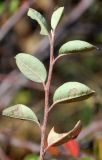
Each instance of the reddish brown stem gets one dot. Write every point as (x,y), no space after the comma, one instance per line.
(47,89)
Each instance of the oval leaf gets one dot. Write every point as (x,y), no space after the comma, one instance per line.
(20,111)
(72,92)
(31,67)
(76,46)
(56,16)
(32,13)
(56,139)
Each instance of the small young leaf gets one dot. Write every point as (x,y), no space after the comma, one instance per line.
(32,13)
(56,139)
(20,111)
(56,16)
(72,92)
(31,67)
(76,46)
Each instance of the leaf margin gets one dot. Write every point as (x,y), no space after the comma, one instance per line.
(64,48)
(6,111)
(68,135)
(20,60)
(37,16)
(55,15)
(74,98)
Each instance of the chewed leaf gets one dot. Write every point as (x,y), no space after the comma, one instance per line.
(76,46)
(72,92)
(56,16)
(31,67)
(20,111)
(56,139)
(32,13)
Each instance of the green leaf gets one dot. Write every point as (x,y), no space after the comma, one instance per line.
(13,5)
(76,46)
(56,139)
(20,111)
(2,7)
(32,13)
(31,67)
(31,157)
(56,16)
(72,92)
(86,158)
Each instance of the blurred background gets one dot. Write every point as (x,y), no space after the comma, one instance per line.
(20,140)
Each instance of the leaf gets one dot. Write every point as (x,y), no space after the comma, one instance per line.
(2,7)
(20,111)
(72,92)
(31,157)
(31,67)
(56,139)
(13,5)
(76,46)
(73,147)
(33,14)
(56,16)
(86,158)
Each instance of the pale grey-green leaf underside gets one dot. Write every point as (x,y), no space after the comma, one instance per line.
(20,111)
(35,15)
(31,67)
(56,16)
(72,92)
(76,46)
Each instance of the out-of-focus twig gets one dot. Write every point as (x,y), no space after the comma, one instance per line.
(3,156)
(20,143)
(11,84)
(14,19)
(78,10)
(90,130)
(9,87)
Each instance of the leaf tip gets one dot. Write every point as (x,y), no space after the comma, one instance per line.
(79,124)
(76,46)
(29,11)
(61,8)
(56,17)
